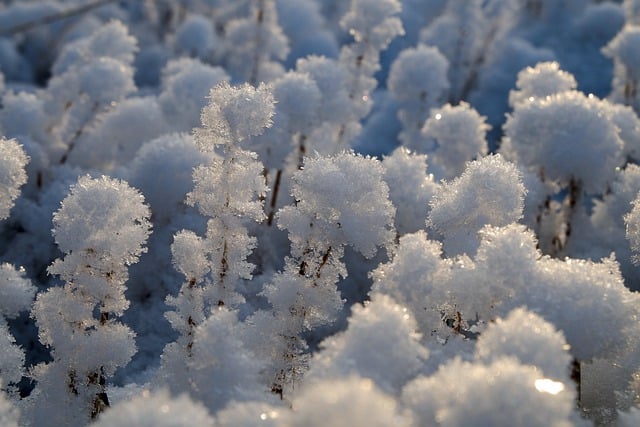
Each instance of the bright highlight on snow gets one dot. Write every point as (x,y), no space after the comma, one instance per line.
(546,385)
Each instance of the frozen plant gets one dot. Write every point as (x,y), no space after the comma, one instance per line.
(156,409)
(13,161)
(89,75)
(418,81)
(545,79)
(229,190)
(364,350)
(461,34)
(256,44)
(339,200)
(373,25)
(489,192)
(468,394)
(632,221)
(101,226)
(410,188)
(16,295)
(623,50)
(452,136)
(568,140)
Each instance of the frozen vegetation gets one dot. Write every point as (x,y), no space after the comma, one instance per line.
(319,212)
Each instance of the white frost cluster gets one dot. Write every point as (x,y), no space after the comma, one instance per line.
(632,221)
(13,160)
(565,137)
(341,200)
(529,338)
(469,394)
(545,79)
(489,192)
(410,188)
(454,135)
(157,409)
(364,348)
(234,114)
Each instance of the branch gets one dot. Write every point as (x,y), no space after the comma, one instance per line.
(59,16)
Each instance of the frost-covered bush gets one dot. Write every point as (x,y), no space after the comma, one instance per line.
(380,212)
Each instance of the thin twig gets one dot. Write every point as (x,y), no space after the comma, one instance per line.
(49,19)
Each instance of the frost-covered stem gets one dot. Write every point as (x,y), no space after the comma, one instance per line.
(576,377)
(78,132)
(302,149)
(274,197)
(259,44)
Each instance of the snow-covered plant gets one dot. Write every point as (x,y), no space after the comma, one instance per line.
(346,402)
(363,349)
(185,85)
(157,408)
(410,188)
(13,160)
(229,191)
(16,295)
(101,226)
(489,192)
(567,139)
(464,393)
(340,200)
(461,34)
(529,338)
(452,136)
(90,75)
(418,81)
(545,79)
(626,81)
(9,413)
(632,221)
(373,24)
(256,43)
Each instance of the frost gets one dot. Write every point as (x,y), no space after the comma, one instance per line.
(346,202)
(364,348)
(565,136)
(158,409)
(455,134)
(545,79)
(12,174)
(410,188)
(467,394)
(346,402)
(529,338)
(490,191)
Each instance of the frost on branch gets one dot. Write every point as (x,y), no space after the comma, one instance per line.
(158,409)
(632,221)
(12,174)
(380,343)
(255,43)
(233,115)
(414,273)
(529,338)
(468,394)
(623,49)
(410,188)
(16,295)
(346,402)
(489,192)
(102,226)
(373,24)
(453,135)
(230,191)
(340,200)
(418,81)
(545,79)
(565,137)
